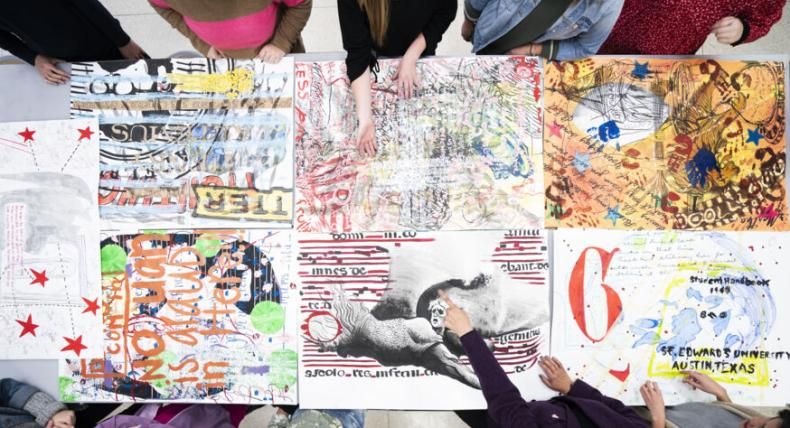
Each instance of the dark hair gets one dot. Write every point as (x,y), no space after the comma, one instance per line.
(785,416)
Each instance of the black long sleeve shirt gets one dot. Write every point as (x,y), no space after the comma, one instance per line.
(408,18)
(71,30)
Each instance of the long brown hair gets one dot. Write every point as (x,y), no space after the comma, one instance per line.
(378,16)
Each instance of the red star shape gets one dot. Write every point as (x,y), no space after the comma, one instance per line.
(28,326)
(74,345)
(85,133)
(555,129)
(93,305)
(27,134)
(40,277)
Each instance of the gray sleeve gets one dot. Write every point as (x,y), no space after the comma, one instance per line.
(43,407)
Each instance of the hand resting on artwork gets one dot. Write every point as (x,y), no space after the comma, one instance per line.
(507,408)
(722,412)
(24,405)
(393,342)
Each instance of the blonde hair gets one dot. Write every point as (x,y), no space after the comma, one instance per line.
(377,12)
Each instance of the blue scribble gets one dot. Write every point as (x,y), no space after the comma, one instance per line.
(697,169)
(721,323)
(713,301)
(608,131)
(692,293)
(649,338)
(731,340)
(685,327)
(646,323)
(520,167)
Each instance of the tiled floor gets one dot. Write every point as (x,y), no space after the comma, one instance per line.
(322,34)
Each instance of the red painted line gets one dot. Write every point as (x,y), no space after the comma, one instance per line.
(327,241)
(341,263)
(520,261)
(15,142)
(346,281)
(339,258)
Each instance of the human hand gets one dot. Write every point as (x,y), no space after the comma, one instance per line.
(467,30)
(63,419)
(654,400)
(554,375)
(704,383)
(530,49)
(214,53)
(132,51)
(366,138)
(456,319)
(47,67)
(407,78)
(271,54)
(728,30)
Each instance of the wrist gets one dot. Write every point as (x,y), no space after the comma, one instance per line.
(723,397)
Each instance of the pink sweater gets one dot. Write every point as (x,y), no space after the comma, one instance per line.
(237,24)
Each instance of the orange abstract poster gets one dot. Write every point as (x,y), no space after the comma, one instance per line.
(692,144)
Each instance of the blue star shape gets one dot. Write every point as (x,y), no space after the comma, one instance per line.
(613,214)
(754,137)
(581,161)
(640,70)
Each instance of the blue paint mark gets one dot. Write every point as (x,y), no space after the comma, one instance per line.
(693,294)
(713,301)
(649,338)
(646,323)
(609,131)
(697,169)
(520,167)
(731,340)
(581,161)
(721,323)
(685,327)
(613,214)
(640,70)
(754,136)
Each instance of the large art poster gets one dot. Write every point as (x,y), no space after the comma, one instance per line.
(463,153)
(199,316)
(191,142)
(629,306)
(372,323)
(694,144)
(49,255)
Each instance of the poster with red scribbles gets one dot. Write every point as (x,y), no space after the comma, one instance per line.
(464,153)
(372,323)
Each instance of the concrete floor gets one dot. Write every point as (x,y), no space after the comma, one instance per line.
(322,35)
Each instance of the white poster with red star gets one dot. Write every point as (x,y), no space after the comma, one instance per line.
(49,252)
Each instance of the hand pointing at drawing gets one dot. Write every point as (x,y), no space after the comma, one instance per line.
(456,318)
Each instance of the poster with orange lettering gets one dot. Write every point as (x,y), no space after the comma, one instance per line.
(636,306)
(653,144)
(198,316)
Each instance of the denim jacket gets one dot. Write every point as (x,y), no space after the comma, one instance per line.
(579,32)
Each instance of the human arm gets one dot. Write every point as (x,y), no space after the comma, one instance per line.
(654,401)
(42,406)
(366,132)
(176,20)
(758,18)
(704,383)
(587,43)
(505,404)
(443,15)
(581,389)
(17,47)
(291,24)
(407,77)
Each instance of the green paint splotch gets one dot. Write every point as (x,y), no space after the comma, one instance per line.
(208,245)
(268,317)
(282,372)
(113,259)
(64,383)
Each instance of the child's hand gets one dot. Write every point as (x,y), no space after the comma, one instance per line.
(554,375)
(271,54)
(728,30)
(63,419)
(48,69)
